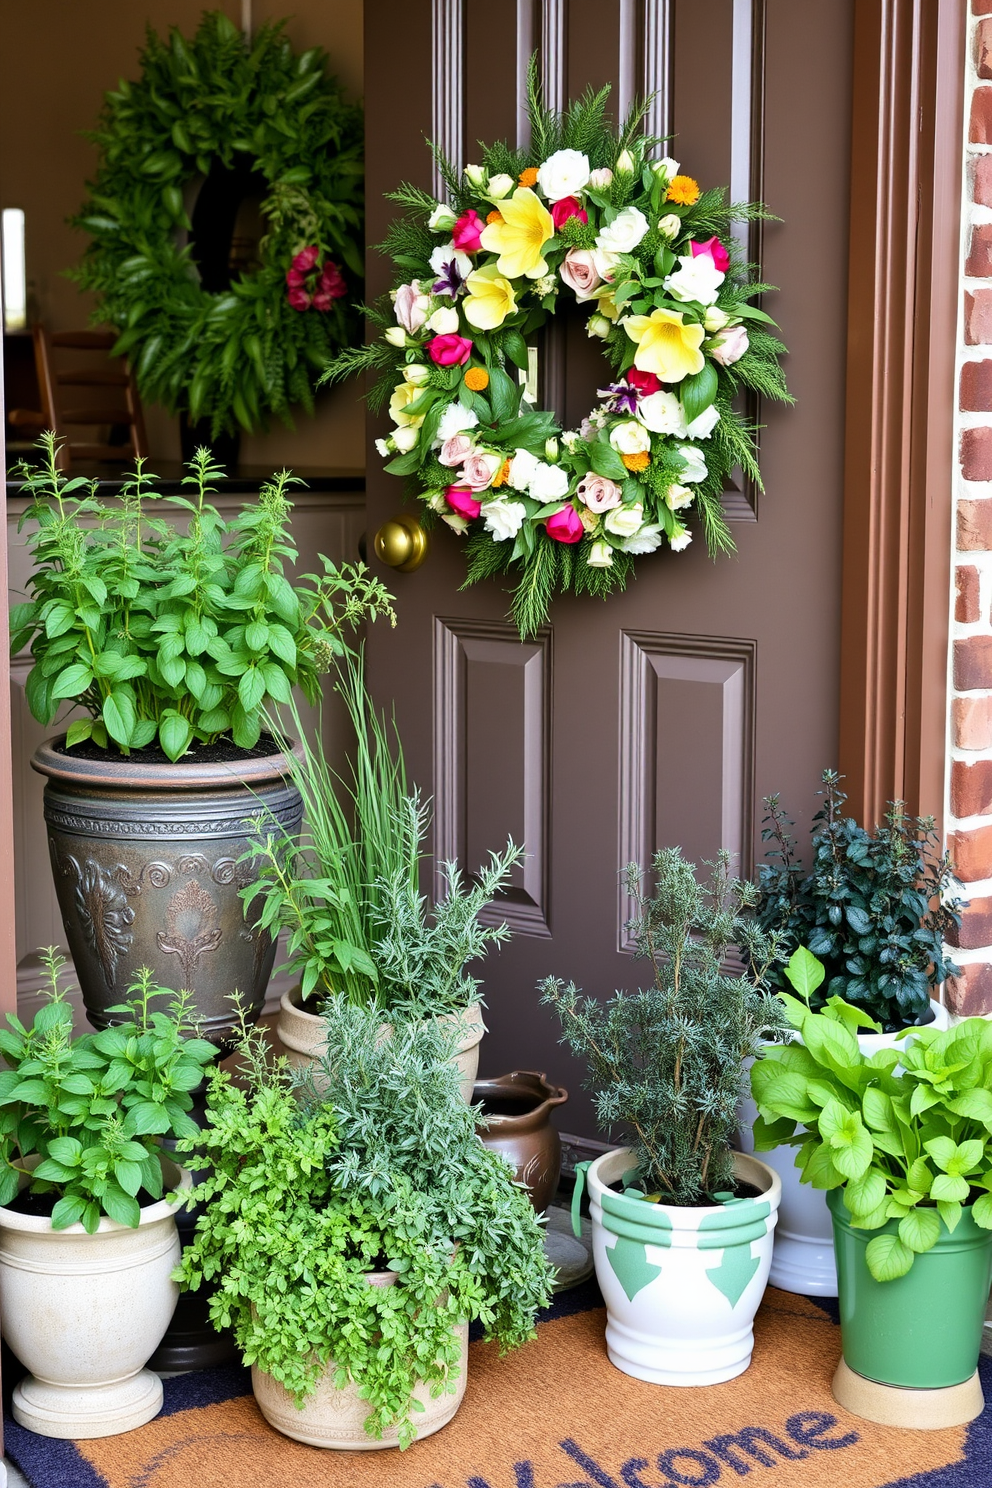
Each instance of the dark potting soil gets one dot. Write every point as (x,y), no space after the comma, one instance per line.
(740,1190)
(222,752)
(40,1205)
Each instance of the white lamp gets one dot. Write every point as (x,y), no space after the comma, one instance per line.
(15,288)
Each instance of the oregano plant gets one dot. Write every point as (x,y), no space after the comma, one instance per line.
(167,623)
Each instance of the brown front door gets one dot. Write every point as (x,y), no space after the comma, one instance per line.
(663,714)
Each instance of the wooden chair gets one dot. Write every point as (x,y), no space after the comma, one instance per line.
(78,360)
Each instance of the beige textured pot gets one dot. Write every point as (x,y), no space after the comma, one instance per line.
(336,1418)
(302,1034)
(84,1313)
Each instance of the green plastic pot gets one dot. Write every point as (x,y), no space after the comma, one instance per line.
(924,1330)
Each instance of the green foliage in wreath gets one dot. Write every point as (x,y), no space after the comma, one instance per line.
(234,356)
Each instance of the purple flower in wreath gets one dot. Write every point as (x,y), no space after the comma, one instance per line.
(452,268)
(620,397)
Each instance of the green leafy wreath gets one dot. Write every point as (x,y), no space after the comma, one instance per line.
(258,348)
(586,213)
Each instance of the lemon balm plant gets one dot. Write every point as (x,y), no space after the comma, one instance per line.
(168,624)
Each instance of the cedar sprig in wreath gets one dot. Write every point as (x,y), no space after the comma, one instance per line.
(583,214)
(258,348)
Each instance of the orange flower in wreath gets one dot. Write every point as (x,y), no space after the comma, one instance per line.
(683,191)
(528,177)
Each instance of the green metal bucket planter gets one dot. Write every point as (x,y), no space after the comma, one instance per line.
(922,1331)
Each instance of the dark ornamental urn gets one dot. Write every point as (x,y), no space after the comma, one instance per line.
(518,1109)
(146,858)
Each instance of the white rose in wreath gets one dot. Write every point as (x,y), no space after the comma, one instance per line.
(698,279)
(600,555)
(624,233)
(695,464)
(548,482)
(624,521)
(503,518)
(405,438)
(522,467)
(676,497)
(630,438)
(565,173)
(703,426)
(646,539)
(444,322)
(454,420)
(681,540)
(662,414)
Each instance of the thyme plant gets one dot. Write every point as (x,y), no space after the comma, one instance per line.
(169,633)
(875,907)
(380,1170)
(665,1061)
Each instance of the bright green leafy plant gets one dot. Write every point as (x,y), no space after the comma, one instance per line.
(906,1131)
(876,907)
(167,633)
(94,1107)
(381,1170)
(665,1062)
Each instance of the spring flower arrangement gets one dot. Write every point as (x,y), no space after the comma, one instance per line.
(585,217)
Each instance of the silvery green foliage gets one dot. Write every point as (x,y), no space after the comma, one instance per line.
(665,1061)
(422,954)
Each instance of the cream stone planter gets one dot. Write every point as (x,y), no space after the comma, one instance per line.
(681,1285)
(84,1313)
(302,1034)
(803,1259)
(335,1418)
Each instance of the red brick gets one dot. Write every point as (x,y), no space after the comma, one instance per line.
(981,186)
(983,49)
(971,853)
(966,590)
(971,788)
(975,929)
(981,7)
(973,663)
(972,723)
(976,385)
(970,994)
(978,317)
(974,526)
(980,127)
(979,262)
(976,454)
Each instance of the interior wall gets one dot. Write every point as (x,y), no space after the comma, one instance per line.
(57,60)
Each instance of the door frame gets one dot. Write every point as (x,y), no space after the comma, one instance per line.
(906,173)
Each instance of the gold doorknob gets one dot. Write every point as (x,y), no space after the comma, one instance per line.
(401,543)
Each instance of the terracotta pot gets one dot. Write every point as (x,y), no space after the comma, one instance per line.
(302,1033)
(84,1313)
(147,863)
(336,1418)
(518,1108)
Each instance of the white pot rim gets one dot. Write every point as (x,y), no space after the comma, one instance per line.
(746,1166)
(163,1208)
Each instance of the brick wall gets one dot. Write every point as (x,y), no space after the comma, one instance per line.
(969,822)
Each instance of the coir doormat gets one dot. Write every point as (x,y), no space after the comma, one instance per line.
(554,1415)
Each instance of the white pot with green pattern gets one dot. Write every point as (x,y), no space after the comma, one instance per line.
(681,1285)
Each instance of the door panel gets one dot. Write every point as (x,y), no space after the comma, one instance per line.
(663,714)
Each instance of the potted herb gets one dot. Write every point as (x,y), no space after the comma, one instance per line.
(356,1236)
(346,895)
(901,1141)
(682,1224)
(173,633)
(875,909)
(87,1235)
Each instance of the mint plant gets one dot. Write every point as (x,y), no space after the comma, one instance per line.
(907,1131)
(94,1107)
(169,634)
(876,907)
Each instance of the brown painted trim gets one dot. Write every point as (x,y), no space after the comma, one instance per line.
(902,319)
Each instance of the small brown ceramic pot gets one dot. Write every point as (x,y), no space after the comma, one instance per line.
(518,1109)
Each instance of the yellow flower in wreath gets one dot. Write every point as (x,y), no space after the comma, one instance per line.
(490,298)
(666,346)
(519,238)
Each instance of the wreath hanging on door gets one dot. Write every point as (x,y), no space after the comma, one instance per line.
(216,101)
(585,214)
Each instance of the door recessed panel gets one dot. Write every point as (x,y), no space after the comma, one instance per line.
(686,711)
(491,768)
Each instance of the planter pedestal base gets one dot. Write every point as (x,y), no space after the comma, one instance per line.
(915,1410)
(85,1412)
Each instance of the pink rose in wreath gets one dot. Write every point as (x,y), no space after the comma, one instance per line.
(455,450)
(715,250)
(450,350)
(565,525)
(461,500)
(646,383)
(568,206)
(598,493)
(467,232)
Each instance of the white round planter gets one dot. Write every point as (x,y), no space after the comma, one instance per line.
(803,1259)
(303,1036)
(335,1418)
(681,1285)
(84,1313)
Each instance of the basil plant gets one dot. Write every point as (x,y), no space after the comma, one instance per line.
(906,1131)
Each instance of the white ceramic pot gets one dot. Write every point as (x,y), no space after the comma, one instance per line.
(803,1259)
(681,1285)
(335,1418)
(302,1034)
(84,1313)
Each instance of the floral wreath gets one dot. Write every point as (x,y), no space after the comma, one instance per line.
(234,356)
(652,259)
